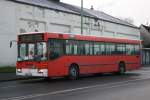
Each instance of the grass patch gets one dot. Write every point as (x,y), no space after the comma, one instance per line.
(7,69)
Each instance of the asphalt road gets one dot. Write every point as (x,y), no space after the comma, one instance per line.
(134,85)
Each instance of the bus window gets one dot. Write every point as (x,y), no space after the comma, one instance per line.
(81,48)
(91,48)
(129,49)
(41,53)
(137,49)
(31,51)
(102,48)
(96,48)
(56,48)
(132,50)
(71,47)
(99,48)
(87,48)
(110,48)
(68,47)
(22,52)
(120,49)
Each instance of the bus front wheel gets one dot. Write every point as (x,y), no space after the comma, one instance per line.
(73,72)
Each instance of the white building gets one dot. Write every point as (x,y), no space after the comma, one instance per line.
(19,16)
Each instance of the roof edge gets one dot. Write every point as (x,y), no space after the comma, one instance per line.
(76,13)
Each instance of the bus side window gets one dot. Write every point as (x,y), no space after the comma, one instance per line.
(130,49)
(68,46)
(96,48)
(81,47)
(110,48)
(71,47)
(55,48)
(87,48)
(103,48)
(91,48)
(137,49)
(120,49)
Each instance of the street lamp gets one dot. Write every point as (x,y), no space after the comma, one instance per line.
(81,17)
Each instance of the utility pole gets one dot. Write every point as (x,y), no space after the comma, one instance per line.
(81,17)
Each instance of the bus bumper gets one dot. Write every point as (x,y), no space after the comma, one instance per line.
(32,72)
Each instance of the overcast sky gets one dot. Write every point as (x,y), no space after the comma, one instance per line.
(138,10)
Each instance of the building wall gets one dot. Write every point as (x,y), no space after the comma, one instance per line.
(33,18)
(7,33)
(19,18)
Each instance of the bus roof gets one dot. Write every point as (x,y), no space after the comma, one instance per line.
(58,35)
(91,38)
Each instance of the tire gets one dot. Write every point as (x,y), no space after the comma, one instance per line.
(122,68)
(73,72)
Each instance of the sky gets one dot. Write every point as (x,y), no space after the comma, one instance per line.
(136,10)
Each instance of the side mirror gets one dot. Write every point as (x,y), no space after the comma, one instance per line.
(11,43)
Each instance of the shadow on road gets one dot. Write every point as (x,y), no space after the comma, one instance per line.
(83,78)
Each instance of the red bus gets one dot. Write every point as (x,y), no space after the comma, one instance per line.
(55,54)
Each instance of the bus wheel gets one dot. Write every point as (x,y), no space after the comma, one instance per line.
(122,68)
(73,72)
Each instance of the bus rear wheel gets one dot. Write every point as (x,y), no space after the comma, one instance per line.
(73,72)
(122,68)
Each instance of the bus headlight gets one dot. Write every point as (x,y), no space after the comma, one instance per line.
(19,70)
(40,71)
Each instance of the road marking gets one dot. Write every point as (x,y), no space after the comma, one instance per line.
(116,84)
(16,86)
(10,86)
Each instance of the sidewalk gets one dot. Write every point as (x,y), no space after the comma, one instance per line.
(11,77)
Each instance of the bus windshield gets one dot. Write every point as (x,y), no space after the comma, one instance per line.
(32,51)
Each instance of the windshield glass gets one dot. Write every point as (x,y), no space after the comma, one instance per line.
(32,51)
(41,51)
(22,52)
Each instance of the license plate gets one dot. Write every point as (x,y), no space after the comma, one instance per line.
(28,74)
